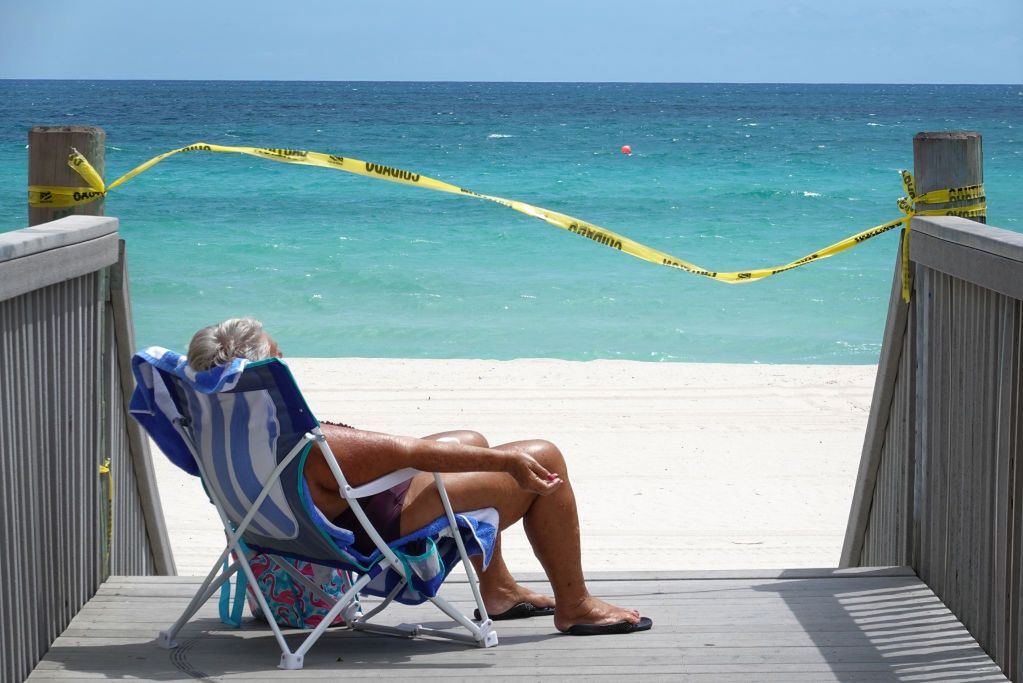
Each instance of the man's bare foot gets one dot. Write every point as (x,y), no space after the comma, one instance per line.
(501,599)
(592,611)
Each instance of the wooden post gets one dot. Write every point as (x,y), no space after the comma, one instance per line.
(946,160)
(48,150)
(941,160)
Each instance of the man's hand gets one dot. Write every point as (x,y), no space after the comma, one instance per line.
(531,475)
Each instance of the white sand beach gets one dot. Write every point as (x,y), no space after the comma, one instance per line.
(675,466)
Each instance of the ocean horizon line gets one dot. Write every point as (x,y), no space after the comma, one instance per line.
(549,359)
(502,82)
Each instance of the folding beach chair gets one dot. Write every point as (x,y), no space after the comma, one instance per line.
(246,430)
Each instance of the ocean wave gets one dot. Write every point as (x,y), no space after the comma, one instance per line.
(495,136)
(859,347)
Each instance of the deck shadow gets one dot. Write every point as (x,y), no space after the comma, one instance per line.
(896,622)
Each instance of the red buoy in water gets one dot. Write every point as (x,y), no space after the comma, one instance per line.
(626,149)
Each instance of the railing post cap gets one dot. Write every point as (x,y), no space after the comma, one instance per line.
(65,129)
(947,135)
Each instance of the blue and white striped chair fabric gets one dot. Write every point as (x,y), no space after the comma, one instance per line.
(244,419)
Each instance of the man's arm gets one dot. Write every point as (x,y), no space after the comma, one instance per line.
(365,456)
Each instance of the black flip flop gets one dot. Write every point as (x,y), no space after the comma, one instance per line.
(523,610)
(610,629)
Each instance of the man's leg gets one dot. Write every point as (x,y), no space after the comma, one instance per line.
(498,587)
(551,524)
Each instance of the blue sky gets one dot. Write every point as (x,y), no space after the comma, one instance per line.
(848,41)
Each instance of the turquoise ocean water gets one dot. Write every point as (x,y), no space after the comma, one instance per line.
(727,176)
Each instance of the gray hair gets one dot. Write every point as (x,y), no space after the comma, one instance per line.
(221,343)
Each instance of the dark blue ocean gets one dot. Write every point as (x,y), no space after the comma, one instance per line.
(730,177)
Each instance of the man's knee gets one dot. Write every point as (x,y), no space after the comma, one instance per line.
(464,436)
(472,438)
(549,455)
(476,439)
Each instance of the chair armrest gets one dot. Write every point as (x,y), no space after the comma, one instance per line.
(381,483)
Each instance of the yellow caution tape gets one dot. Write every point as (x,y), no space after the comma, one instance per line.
(908,184)
(49,197)
(108,512)
(976,207)
(69,196)
(83,168)
(53,197)
(953,194)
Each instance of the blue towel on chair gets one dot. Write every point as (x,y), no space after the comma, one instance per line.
(150,392)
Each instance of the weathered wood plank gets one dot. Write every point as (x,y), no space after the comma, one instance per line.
(680,635)
(825,673)
(36,271)
(1002,494)
(854,591)
(632,577)
(877,422)
(64,232)
(138,444)
(352,656)
(963,232)
(991,271)
(1014,472)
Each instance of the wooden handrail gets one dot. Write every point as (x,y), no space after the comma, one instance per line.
(940,484)
(65,334)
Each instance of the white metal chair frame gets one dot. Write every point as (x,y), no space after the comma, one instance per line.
(481,634)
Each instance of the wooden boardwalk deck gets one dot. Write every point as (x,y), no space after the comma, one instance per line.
(793,625)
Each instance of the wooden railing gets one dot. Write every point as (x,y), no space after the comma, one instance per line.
(940,484)
(67,520)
